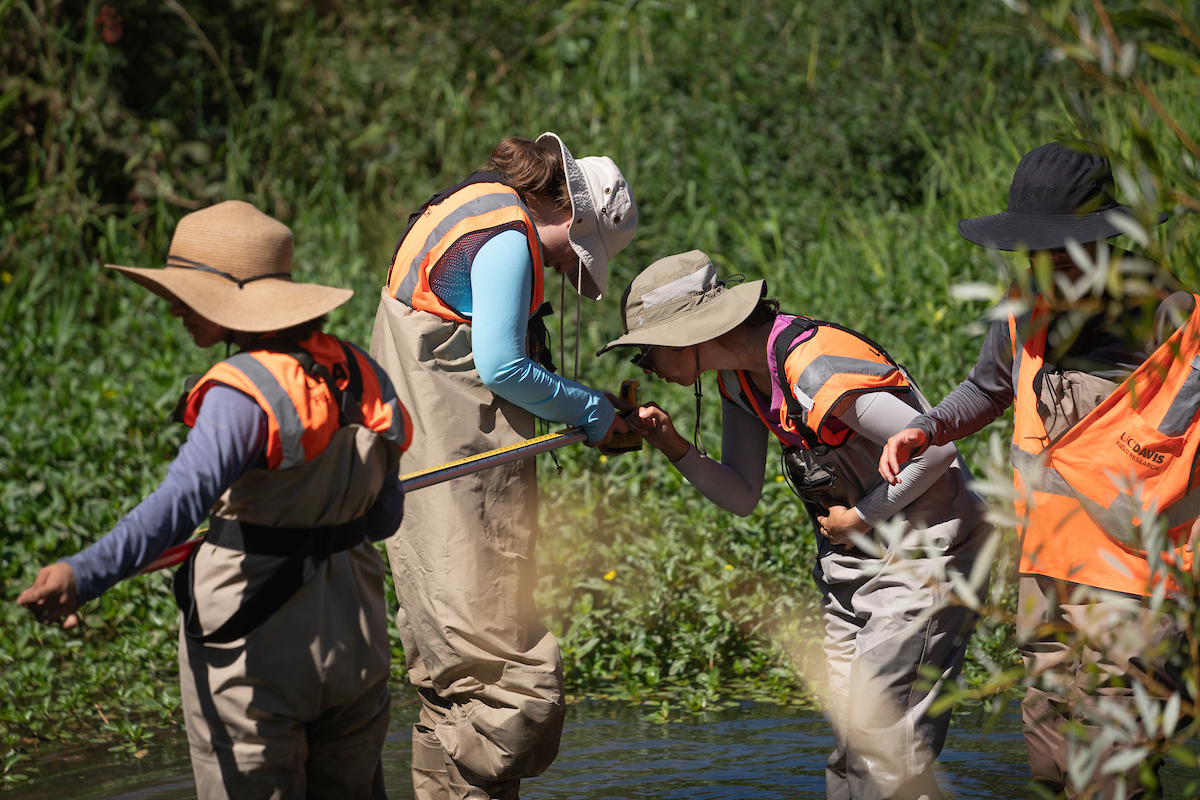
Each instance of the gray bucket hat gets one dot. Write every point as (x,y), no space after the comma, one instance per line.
(677,301)
(605,216)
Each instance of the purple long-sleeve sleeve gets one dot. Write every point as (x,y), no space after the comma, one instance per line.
(228,438)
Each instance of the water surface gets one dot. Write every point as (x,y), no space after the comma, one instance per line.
(610,750)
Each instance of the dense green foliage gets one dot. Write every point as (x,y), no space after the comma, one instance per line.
(828,147)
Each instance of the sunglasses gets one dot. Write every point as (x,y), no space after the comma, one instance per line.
(642,360)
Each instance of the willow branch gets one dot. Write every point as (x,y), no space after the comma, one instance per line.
(1184,139)
(1108,26)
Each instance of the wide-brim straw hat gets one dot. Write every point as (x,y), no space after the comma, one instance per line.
(1060,191)
(232,264)
(677,301)
(605,216)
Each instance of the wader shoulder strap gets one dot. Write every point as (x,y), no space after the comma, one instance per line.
(783,348)
(474,177)
(349,402)
(306,549)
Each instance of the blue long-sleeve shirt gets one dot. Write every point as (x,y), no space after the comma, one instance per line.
(228,438)
(499,311)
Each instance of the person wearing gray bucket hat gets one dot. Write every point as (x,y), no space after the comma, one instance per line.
(460,331)
(292,453)
(832,398)
(1067,356)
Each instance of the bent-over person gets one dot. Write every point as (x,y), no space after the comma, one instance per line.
(832,398)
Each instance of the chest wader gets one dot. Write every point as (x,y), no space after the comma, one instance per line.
(303,548)
(283,652)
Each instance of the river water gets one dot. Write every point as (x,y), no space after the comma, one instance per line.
(610,750)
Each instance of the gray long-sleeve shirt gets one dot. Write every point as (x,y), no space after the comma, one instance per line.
(1075,341)
(736,482)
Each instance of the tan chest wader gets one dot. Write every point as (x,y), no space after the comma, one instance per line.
(284,654)
(489,673)
(876,645)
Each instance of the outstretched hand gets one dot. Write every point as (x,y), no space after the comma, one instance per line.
(899,450)
(53,597)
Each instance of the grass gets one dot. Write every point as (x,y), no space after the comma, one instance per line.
(828,147)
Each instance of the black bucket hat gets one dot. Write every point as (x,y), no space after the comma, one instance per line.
(1060,191)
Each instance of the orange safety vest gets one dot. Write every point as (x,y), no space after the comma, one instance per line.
(1134,453)
(435,253)
(303,410)
(822,363)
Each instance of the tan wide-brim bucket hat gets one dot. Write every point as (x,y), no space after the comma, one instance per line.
(677,301)
(605,216)
(232,264)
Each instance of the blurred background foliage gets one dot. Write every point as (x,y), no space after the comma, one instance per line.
(828,146)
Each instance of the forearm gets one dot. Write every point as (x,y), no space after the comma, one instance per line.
(877,416)
(229,436)
(983,396)
(964,411)
(735,484)
(501,288)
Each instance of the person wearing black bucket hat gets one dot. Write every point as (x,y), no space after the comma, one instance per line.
(832,398)
(1081,439)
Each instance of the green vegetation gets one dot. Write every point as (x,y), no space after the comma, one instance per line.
(828,146)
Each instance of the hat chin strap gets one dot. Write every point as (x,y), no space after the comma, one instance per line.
(699,394)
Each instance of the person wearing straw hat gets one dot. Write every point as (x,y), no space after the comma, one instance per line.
(293,452)
(832,398)
(459,331)
(1059,363)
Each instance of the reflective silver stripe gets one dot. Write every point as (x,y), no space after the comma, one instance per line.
(822,368)
(1184,509)
(1117,520)
(472,208)
(733,391)
(286,416)
(1183,408)
(396,434)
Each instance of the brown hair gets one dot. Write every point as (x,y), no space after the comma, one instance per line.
(298,333)
(534,169)
(763,313)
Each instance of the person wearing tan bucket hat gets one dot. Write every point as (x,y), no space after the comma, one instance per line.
(832,398)
(1098,365)
(293,453)
(459,330)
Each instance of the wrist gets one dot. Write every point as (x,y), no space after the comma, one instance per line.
(675,448)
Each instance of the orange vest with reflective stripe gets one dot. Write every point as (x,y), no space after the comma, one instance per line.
(1081,497)
(824,364)
(437,249)
(302,415)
